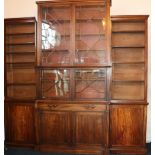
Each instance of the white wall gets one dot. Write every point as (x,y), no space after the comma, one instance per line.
(25,8)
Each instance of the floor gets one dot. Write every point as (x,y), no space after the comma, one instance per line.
(12,151)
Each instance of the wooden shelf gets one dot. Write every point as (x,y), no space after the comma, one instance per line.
(14,34)
(21,66)
(88,20)
(23,99)
(91,79)
(88,65)
(49,81)
(128,46)
(129,81)
(140,62)
(59,21)
(129,31)
(24,63)
(14,84)
(126,102)
(89,35)
(74,66)
(20,53)
(51,50)
(26,43)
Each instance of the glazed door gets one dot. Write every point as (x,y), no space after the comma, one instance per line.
(55,35)
(91,34)
(74,34)
(54,127)
(19,123)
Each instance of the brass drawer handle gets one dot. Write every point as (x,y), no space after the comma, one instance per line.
(53,106)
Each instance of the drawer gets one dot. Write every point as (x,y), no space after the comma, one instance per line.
(70,107)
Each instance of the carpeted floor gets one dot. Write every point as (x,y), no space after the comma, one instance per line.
(11,151)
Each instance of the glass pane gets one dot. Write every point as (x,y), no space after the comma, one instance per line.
(90,34)
(56,35)
(90,83)
(55,83)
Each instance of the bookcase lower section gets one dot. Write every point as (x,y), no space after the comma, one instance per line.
(83,128)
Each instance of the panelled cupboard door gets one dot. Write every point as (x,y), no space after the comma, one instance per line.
(19,123)
(72,124)
(54,127)
(127,125)
(91,128)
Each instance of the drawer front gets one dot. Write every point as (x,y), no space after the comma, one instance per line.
(70,107)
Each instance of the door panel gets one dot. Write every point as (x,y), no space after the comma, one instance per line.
(91,128)
(127,124)
(54,127)
(19,123)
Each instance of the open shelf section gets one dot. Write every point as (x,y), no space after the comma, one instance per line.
(128,60)
(20,38)
(128,90)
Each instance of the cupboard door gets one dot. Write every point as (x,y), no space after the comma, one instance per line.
(91,128)
(54,127)
(19,123)
(127,124)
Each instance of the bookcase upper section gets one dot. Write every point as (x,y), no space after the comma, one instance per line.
(76,33)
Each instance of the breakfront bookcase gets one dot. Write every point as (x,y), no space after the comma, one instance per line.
(85,89)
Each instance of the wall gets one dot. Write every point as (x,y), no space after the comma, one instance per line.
(25,8)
